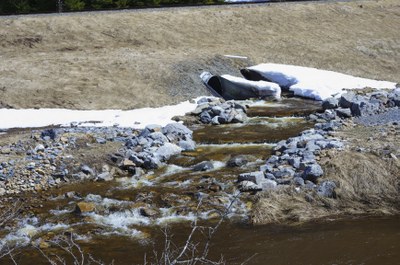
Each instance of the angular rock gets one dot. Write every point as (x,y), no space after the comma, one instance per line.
(343,113)
(346,100)
(249,186)
(85,207)
(363,108)
(256,177)
(268,184)
(312,172)
(105,176)
(165,152)
(176,129)
(327,189)
(330,103)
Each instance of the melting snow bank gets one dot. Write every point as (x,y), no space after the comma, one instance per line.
(137,118)
(311,82)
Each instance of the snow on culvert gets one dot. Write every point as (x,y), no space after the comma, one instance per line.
(264,88)
(137,118)
(315,83)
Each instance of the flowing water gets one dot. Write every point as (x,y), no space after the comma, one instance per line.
(118,230)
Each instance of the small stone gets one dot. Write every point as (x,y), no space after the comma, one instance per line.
(105,176)
(249,186)
(39,148)
(215,187)
(256,177)
(148,212)
(71,195)
(203,166)
(84,207)
(127,163)
(87,170)
(5,150)
(237,161)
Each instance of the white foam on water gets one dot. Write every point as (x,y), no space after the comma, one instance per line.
(120,220)
(26,230)
(60,212)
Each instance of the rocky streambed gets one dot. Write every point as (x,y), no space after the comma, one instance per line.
(115,188)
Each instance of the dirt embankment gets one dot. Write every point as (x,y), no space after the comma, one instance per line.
(153,57)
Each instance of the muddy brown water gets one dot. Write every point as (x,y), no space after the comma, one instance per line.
(116,232)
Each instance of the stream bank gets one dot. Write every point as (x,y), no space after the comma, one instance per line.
(131,209)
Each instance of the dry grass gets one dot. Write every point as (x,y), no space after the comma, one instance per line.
(367,184)
(150,58)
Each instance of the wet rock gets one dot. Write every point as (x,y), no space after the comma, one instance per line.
(203,166)
(151,162)
(71,195)
(327,189)
(84,207)
(187,145)
(312,172)
(237,161)
(215,187)
(148,212)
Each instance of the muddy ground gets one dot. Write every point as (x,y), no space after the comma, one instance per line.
(153,57)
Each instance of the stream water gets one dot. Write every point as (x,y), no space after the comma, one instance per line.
(119,231)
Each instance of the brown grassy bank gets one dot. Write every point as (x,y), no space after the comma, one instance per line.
(367,174)
(153,57)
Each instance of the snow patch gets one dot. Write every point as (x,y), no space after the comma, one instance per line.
(315,83)
(265,88)
(137,118)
